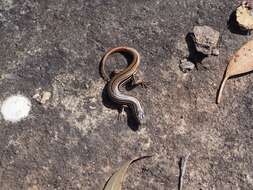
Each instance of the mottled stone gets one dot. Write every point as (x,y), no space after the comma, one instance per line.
(205,38)
(186,65)
(42,96)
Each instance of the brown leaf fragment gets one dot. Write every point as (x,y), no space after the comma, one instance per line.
(240,63)
(115,181)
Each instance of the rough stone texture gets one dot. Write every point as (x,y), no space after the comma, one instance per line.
(205,38)
(75,142)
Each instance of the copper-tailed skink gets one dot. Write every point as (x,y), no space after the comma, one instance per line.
(122,77)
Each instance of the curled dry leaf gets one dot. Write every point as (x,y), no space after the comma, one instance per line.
(241,62)
(115,181)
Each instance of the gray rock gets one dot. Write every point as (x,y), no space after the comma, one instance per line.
(205,39)
(186,65)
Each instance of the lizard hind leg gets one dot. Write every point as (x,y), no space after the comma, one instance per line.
(121,112)
(137,80)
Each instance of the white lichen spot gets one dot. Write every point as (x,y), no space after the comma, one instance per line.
(15,108)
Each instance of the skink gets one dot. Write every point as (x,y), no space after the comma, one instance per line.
(122,77)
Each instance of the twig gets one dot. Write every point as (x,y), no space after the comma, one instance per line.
(183,163)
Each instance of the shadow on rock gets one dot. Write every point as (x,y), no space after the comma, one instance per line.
(234,27)
(194,56)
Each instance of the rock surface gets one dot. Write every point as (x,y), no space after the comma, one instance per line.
(76,142)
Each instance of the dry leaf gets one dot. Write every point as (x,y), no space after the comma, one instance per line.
(241,62)
(115,181)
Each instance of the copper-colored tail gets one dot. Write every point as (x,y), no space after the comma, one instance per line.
(129,50)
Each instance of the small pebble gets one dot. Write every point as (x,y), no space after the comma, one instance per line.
(45,97)
(186,65)
(42,97)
